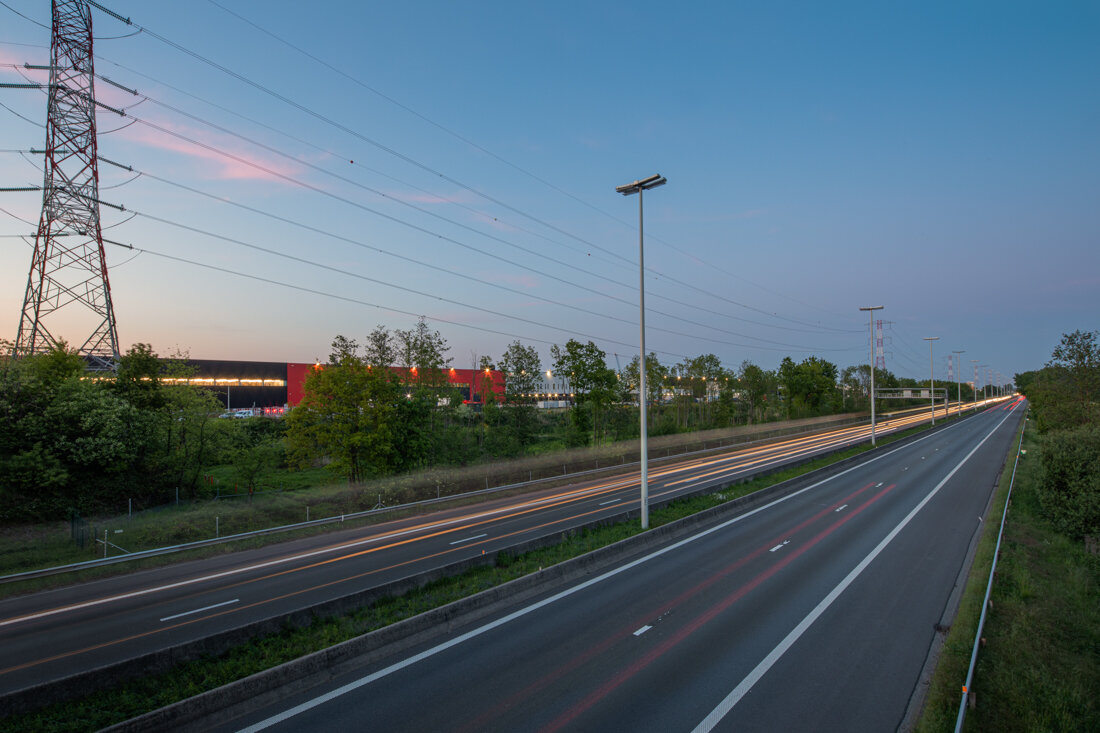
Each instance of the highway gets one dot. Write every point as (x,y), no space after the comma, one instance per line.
(53,634)
(814,612)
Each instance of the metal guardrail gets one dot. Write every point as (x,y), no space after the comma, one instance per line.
(966,691)
(765,436)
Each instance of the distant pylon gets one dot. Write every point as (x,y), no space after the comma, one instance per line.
(880,352)
(69,267)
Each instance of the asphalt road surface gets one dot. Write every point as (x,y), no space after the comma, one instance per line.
(814,612)
(53,634)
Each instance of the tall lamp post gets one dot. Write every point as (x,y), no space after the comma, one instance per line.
(638,187)
(871,309)
(958,379)
(932,375)
(985,382)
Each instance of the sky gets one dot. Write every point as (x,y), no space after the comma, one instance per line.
(307,171)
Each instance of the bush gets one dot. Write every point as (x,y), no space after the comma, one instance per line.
(1071,480)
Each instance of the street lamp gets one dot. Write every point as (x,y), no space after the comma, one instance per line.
(958,379)
(638,187)
(932,375)
(984,381)
(872,309)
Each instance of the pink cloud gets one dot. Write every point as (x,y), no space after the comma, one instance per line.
(243,165)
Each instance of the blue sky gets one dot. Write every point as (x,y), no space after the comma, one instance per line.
(940,159)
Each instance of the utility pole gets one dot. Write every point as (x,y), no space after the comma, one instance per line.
(871,309)
(69,268)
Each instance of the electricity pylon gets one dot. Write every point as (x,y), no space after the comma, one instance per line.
(69,269)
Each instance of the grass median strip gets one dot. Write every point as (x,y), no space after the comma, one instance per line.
(116,704)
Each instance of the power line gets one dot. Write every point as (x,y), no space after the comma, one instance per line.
(412,161)
(506,162)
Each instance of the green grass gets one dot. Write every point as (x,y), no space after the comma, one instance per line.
(1040,667)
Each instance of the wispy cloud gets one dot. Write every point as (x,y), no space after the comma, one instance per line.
(240,163)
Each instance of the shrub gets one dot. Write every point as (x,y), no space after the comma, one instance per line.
(1071,480)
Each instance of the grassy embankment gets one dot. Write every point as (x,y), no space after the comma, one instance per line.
(1039,669)
(312,494)
(134,698)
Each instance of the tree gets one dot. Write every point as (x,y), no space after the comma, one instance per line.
(522,369)
(756,385)
(593,383)
(655,375)
(349,413)
(809,386)
(381,348)
(65,442)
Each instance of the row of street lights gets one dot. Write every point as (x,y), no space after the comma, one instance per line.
(639,187)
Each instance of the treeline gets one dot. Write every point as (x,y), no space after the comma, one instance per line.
(364,419)
(71,440)
(1065,400)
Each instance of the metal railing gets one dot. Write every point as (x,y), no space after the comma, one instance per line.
(966,691)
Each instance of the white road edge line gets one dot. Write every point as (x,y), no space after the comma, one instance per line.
(468,539)
(200,610)
(843,506)
(613,501)
(715,716)
(642,630)
(428,653)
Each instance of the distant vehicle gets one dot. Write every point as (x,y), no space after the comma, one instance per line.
(242,414)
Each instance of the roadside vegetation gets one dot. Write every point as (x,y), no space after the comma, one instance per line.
(137,697)
(1039,666)
(75,444)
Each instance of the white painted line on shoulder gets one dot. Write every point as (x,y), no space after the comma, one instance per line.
(842,506)
(612,501)
(715,716)
(200,610)
(642,630)
(520,613)
(878,484)
(468,539)
(780,545)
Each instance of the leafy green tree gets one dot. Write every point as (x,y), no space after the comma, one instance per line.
(381,348)
(350,415)
(65,442)
(655,375)
(810,386)
(593,383)
(1066,391)
(522,369)
(756,384)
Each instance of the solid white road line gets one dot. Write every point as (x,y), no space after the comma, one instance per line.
(844,506)
(428,653)
(642,630)
(715,716)
(468,539)
(612,501)
(200,610)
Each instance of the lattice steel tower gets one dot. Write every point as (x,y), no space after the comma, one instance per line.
(69,268)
